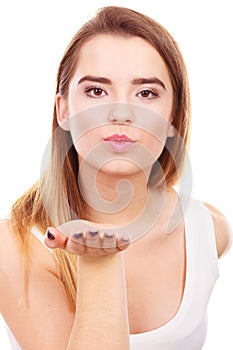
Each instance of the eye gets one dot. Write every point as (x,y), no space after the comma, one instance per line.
(148,94)
(94,91)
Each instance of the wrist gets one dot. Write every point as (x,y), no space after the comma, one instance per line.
(100,260)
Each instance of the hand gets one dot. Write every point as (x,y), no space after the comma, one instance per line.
(85,238)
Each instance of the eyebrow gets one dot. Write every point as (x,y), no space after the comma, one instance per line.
(95,79)
(136,81)
(154,80)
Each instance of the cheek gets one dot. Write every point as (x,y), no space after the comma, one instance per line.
(79,103)
(164,110)
(87,142)
(155,132)
(155,145)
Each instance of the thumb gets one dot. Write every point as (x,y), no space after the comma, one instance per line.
(55,238)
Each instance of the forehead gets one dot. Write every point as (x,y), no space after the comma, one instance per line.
(112,54)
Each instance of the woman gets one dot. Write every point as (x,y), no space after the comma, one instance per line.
(127,270)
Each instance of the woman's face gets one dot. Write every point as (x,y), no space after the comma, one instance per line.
(120,98)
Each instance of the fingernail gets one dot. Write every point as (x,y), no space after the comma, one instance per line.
(93,232)
(125,238)
(50,236)
(77,235)
(109,235)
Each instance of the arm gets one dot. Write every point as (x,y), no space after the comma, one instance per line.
(223,231)
(101,319)
(43,320)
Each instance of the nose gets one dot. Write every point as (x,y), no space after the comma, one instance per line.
(121,113)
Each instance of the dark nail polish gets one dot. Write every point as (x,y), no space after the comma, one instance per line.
(93,233)
(109,235)
(77,235)
(50,236)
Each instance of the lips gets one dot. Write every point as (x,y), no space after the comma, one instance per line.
(119,142)
(119,138)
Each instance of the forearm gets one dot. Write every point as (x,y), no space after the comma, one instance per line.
(101,319)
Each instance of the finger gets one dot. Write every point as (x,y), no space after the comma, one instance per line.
(109,243)
(76,243)
(55,238)
(93,240)
(123,242)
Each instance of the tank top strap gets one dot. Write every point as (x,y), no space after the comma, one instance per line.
(201,233)
(39,235)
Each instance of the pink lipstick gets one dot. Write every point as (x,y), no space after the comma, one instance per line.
(119,142)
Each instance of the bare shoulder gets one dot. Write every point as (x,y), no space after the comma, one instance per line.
(22,311)
(12,256)
(223,230)
(11,266)
(10,247)
(10,259)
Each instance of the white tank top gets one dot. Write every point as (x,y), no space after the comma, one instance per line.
(187,329)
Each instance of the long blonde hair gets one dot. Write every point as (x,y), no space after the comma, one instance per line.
(30,209)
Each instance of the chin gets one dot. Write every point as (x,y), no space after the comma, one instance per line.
(120,168)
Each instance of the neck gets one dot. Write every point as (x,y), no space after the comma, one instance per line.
(117,199)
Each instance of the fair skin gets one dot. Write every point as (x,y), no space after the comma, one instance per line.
(133,291)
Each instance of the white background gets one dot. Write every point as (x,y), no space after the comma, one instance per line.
(33,37)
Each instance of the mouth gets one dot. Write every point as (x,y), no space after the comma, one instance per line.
(119,142)
(119,138)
